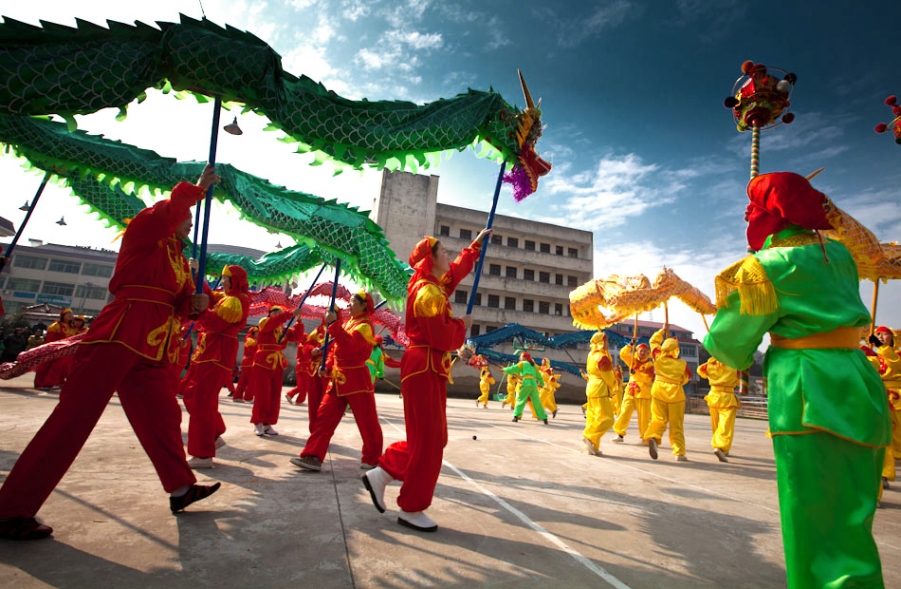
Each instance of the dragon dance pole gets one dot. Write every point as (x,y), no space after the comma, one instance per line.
(303,299)
(331,307)
(875,300)
(34,203)
(208,201)
(475,280)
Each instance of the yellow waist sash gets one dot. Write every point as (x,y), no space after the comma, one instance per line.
(843,337)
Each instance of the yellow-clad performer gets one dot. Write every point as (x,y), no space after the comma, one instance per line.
(616,395)
(513,384)
(723,404)
(637,395)
(599,415)
(546,393)
(485,382)
(886,360)
(667,396)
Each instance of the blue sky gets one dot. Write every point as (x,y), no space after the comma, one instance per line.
(644,153)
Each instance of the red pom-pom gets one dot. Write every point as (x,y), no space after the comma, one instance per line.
(881,127)
(759,69)
(896,110)
(891,100)
(788,117)
(747,66)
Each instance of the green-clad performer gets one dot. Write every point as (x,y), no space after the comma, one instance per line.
(828,412)
(531,380)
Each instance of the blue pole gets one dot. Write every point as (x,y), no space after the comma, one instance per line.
(208,201)
(34,202)
(475,280)
(303,299)
(331,307)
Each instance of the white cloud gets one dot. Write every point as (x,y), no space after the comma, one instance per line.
(573,32)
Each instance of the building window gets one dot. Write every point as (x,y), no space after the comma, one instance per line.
(478,299)
(494,301)
(530,245)
(511,271)
(23,284)
(102,270)
(22,261)
(83,291)
(544,277)
(460,296)
(572,281)
(559,250)
(465,234)
(494,269)
(528,305)
(558,309)
(528,274)
(65,266)
(573,252)
(489,328)
(2,280)
(476,329)
(558,279)
(497,239)
(510,303)
(544,307)
(57,288)
(512,242)
(444,231)
(545,248)
(687,351)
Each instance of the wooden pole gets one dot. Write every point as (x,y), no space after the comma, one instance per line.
(875,301)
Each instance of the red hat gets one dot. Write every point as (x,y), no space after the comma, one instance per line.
(781,199)
(884,329)
(238,276)
(640,346)
(379,340)
(367,298)
(526,356)
(421,258)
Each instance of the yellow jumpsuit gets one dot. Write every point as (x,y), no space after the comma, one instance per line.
(485,382)
(667,395)
(546,393)
(599,416)
(637,394)
(888,363)
(512,388)
(722,401)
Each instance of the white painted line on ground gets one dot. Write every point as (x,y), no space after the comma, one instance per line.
(599,571)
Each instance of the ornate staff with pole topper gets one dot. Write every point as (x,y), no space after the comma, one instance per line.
(760,101)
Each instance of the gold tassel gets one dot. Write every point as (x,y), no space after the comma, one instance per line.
(230,309)
(755,291)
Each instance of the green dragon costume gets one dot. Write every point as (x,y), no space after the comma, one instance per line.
(59,70)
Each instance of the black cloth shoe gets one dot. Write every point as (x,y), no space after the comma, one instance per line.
(194,494)
(515,419)
(24,528)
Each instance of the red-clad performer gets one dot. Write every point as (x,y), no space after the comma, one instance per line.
(301,371)
(269,365)
(350,384)
(127,350)
(48,374)
(242,390)
(425,369)
(212,365)
(316,383)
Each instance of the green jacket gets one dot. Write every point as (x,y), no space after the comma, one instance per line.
(790,290)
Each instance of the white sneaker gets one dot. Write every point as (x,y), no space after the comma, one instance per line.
(418,521)
(258,429)
(200,463)
(375,481)
(220,442)
(269,430)
(720,455)
(681,458)
(589,446)
(289,400)
(618,440)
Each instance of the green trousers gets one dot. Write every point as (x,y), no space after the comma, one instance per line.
(526,392)
(827,499)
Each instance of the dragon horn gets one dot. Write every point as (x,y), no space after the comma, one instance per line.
(525,91)
(813,175)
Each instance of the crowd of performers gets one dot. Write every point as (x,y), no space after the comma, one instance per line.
(833,404)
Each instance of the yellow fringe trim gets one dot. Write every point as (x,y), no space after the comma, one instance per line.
(756,292)
(430,302)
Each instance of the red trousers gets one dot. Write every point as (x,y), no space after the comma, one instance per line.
(201,396)
(417,462)
(315,390)
(329,416)
(303,384)
(147,393)
(242,390)
(266,388)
